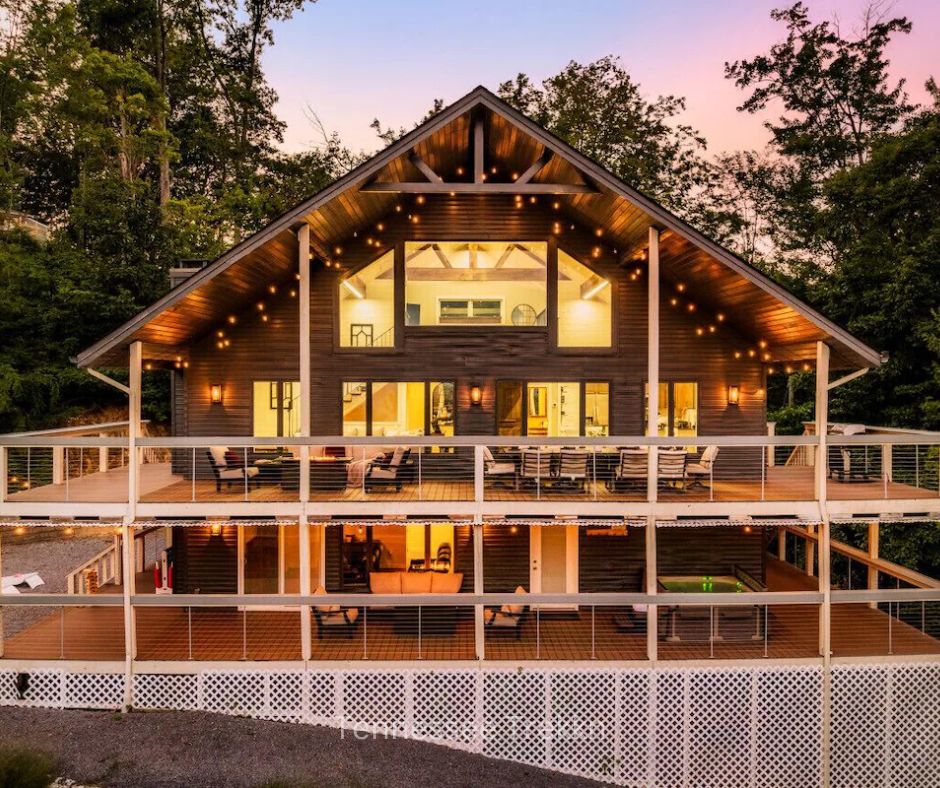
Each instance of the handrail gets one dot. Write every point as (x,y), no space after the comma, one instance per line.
(112,553)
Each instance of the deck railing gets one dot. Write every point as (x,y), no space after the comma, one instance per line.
(471,470)
(461,627)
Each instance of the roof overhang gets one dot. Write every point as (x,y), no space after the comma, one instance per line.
(545,164)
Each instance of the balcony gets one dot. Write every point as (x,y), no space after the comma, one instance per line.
(634,475)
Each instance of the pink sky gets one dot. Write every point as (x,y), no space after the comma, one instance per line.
(353,60)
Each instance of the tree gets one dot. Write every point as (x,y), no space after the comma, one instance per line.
(599,110)
(835,91)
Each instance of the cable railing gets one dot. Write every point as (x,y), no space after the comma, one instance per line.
(428,469)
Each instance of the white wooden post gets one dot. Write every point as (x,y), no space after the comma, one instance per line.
(3,477)
(135,369)
(771,431)
(652,362)
(305,641)
(58,465)
(874,534)
(133,426)
(102,455)
(824,558)
(809,553)
(303,270)
(652,430)
(479,631)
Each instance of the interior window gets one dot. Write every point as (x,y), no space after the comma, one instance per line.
(441,403)
(470,283)
(395,548)
(275,408)
(386,408)
(678,408)
(397,409)
(367,305)
(596,409)
(584,305)
(552,409)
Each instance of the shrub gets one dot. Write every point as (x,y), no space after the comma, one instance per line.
(24,768)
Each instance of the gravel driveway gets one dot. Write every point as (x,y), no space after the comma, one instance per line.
(186,749)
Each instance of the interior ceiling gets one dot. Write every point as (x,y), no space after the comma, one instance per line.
(757,313)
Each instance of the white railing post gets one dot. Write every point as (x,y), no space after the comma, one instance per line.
(652,363)
(303,305)
(133,427)
(306,645)
(479,632)
(478,474)
(128,590)
(771,431)
(102,456)
(4,475)
(59,470)
(652,619)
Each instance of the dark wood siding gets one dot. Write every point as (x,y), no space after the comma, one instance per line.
(268,350)
(505,558)
(203,563)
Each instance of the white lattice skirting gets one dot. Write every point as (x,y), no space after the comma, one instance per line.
(753,727)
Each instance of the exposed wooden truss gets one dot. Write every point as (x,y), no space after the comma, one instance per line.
(444,187)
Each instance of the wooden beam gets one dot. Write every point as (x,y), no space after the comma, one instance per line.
(535,168)
(505,255)
(473,249)
(416,252)
(409,187)
(593,286)
(445,260)
(424,168)
(528,252)
(479,142)
(475,275)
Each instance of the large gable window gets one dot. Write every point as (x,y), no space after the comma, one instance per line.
(475,283)
(367,305)
(584,299)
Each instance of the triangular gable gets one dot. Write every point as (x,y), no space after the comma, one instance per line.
(593,195)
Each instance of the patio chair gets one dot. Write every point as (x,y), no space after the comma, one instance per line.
(697,471)
(671,470)
(536,466)
(499,471)
(508,618)
(631,470)
(573,468)
(388,473)
(229,467)
(334,618)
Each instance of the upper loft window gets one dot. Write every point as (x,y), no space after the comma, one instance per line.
(475,283)
(584,311)
(367,305)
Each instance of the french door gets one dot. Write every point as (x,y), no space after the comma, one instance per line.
(553,561)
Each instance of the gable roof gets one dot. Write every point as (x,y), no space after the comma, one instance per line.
(762,308)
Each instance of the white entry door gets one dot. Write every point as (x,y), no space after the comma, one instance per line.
(553,557)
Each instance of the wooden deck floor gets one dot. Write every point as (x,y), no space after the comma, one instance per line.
(229,634)
(159,485)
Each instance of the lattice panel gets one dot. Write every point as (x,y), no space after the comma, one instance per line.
(859,730)
(671,742)
(44,689)
(375,700)
(321,698)
(789,700)
(584,726)
(445,706)
(633,761)
(94,690)
(719,725)
(284,696)
(915,726)
(8,693)
(233,692)
(166,691)
(514,724)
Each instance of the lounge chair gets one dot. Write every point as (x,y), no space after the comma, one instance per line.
(631,470)
(671,470)
(536,466)
(508,618)
(229,467)
(389,473)
(698,471)
(334,618)
(499,471)
(573,468)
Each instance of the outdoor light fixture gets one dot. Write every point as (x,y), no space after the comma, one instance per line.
(476,394)
(215,529)
(734,394)
(215,393)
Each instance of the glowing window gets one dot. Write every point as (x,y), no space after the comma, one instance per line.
(584,299)
(367,305)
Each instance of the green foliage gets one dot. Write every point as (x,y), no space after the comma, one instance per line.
(25,768)
(599,109)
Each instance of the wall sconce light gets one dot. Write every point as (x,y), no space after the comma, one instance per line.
(734,394)
(215,393)
(476,395)
(215,529)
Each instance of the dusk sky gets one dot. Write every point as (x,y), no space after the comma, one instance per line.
(352,60)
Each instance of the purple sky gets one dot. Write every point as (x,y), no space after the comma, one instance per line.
(352,60)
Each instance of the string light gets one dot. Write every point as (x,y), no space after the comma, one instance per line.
(699,331)
(272,289)
(460,170)
(420,199)
(680,287)
(232,320)
(556,205)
